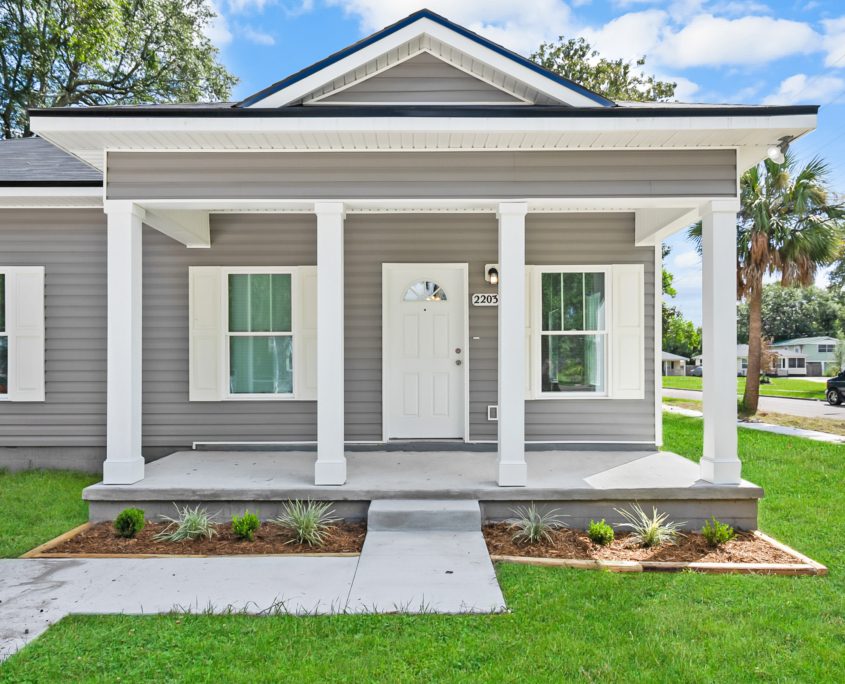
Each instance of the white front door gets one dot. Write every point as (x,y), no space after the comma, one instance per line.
(424,342)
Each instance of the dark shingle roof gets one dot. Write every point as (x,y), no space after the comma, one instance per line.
(35,162)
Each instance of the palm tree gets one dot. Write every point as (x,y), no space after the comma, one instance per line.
(787,225)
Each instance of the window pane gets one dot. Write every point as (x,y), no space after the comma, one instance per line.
(260,302)
(2,302)
(552,286)
(573,301)
(572,363)
(4,364)
(594,301)
(260,365)
(425,291)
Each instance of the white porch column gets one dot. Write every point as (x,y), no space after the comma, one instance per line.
(720,462)
(513,471)
(330,468)
(124,463)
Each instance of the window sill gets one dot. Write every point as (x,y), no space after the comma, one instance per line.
(569,395)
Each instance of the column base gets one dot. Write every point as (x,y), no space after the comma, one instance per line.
(513,474)
(123,472)
(721,472)
(330,472)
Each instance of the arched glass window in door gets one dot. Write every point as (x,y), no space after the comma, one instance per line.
(425,291)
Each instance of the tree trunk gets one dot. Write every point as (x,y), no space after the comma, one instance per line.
(755,348)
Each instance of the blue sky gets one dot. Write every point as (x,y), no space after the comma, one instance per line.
(738,51)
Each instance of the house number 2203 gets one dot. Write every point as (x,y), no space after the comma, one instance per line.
(482,299)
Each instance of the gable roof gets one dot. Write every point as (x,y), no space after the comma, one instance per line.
(820,339)
(289,90)
(34,162)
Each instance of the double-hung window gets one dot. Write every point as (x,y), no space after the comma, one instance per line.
(260,336)
(573,331)
(253,333)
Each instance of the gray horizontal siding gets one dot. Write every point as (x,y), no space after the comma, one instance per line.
(421,79)
(71,245)
(420,175)
(170,420)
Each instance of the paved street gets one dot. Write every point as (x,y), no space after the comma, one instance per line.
(793,407)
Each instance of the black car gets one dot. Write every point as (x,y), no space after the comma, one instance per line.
(836,390)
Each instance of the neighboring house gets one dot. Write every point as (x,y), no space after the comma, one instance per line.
(783,362)
(423,241)
(817,351)
(674,364)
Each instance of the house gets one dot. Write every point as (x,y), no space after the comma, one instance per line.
(674,364)
(781,362)
(421,267)
(817,351)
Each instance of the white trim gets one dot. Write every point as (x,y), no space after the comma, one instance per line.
(537,332)
(386,268)
(50,198)
(319,99)
(424,26)
(658,344)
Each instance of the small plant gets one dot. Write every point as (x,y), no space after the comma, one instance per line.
(717,533)
(244,526)
(189,524)
(129,522)
(600,533)
(308,521)
(650,530)
(533,526)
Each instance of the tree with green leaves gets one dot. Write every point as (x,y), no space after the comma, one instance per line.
(788,312)
(615,79)
(787,225)
(56,53)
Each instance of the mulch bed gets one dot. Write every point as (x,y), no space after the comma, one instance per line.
(100,538)
(691,548)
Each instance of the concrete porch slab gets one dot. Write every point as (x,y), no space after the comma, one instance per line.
(584,483)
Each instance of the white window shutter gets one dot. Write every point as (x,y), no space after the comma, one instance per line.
(205,346)
(305,334)
(25,326)
(627,332)
(528,339)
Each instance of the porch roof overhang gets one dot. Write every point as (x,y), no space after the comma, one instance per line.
(89,133)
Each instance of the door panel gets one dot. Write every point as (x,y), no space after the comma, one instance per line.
(425,309)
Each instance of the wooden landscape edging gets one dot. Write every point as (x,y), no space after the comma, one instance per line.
(806,566)
(43,551)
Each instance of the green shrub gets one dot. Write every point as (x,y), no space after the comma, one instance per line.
(600,533)
(129,522)
(189,524)
(309,521)
(532,526)
(716,532)
(244,526)
(651,530)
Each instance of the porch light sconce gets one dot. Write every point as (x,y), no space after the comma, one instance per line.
(491,273)
(777,153)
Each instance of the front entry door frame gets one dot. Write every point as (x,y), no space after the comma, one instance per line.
(387,299)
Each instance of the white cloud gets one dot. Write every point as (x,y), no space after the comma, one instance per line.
(834,42)
(253,35)
(686,259)
(715,41)
(629,36)
(238,6)
(802,88)
(218,31)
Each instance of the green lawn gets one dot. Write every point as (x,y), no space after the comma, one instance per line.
(565,625)
(37,505)
(794,388)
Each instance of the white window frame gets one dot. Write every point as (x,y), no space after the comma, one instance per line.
(225,272)
(826,348)
(5,332)
(537,332)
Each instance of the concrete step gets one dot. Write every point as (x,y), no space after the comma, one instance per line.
(456,515)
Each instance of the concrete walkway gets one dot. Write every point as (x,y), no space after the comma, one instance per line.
(399,570)
(806,408)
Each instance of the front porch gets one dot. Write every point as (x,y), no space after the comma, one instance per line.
(581,484)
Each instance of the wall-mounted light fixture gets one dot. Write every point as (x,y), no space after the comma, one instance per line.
(777,153)
(491,273)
